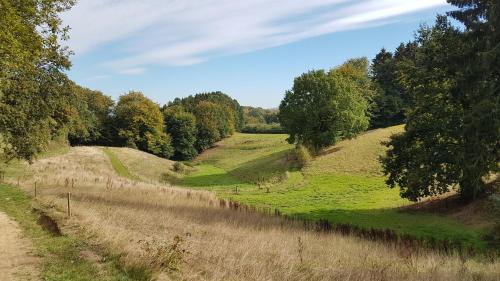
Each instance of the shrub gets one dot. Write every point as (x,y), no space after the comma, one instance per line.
(179,167)
(169,177)
(303,155)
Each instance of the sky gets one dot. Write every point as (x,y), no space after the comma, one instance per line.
(248,49)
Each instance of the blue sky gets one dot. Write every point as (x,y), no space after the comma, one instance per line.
(249,49)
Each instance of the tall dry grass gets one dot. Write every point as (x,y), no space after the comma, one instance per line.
(187,235)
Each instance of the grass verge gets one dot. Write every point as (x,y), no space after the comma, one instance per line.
(61,256)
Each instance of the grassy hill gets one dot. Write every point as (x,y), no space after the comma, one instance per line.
(136,164)
(123,229)
(344,185)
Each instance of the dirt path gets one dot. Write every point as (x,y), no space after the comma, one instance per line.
(17,261)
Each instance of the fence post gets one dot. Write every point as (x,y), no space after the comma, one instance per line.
(35,189)
(69,207)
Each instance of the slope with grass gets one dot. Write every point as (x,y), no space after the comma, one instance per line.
(154,230)
(343,184)
(71,256)
(135,164)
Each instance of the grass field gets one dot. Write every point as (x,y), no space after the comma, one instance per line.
(138,164)
(118,166)
(344,184)
(180,234)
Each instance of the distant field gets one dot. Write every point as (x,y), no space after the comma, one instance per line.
(343,185)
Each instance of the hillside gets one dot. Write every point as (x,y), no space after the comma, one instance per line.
(344,185)
(157,231)
(141,165)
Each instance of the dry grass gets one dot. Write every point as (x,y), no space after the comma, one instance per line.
(358,156)
(141,221)
(143,165)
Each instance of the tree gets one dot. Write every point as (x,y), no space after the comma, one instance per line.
(233,112)
(181,126)
(139,123)
(452,135)
(92,123)
(391,102)
(217,116)
(34,91)
(207,124)
(323,108)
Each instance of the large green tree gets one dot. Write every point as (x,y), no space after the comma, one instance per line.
(139,123)
(217,116)
(323,108)
(208,116)
(391,101)
(181,126)
(91,124)
(452,135)
(35,93)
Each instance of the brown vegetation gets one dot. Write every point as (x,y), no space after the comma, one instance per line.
(188,234)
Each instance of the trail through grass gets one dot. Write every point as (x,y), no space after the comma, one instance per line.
(118,166)
(61,255)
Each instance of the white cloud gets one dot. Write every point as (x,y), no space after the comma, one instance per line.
(132,71)
(177,32)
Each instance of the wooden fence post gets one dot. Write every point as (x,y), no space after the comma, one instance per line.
(35,189)
(69,206)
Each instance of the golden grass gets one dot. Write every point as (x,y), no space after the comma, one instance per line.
(145,166)
(358,156)
(140,220)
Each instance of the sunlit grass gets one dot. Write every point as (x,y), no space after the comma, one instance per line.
(343,184)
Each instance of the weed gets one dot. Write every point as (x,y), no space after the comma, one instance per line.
(163,255)
(178,167)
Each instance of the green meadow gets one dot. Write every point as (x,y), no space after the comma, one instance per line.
(343,184)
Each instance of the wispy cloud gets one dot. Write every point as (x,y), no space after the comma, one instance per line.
(132,71)
(177,32)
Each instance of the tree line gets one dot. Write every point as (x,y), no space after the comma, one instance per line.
(444,85)
(179,130)
(259,120)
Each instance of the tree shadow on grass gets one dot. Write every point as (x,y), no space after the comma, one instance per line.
(422,226)
(270,168)
(211,180)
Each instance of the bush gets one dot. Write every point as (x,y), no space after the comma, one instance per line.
(179,167)
(303,155)
(169,177)
(273,128)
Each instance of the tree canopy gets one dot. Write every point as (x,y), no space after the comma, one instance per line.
(35,93)
(139,123)
(181,125)
(325,107)
(452,136)
(391,101)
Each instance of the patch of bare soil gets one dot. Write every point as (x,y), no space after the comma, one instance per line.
(17,260)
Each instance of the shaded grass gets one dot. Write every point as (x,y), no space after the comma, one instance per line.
(343,185)
(252,158)
(362,201)
(61,255)
(118,166)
